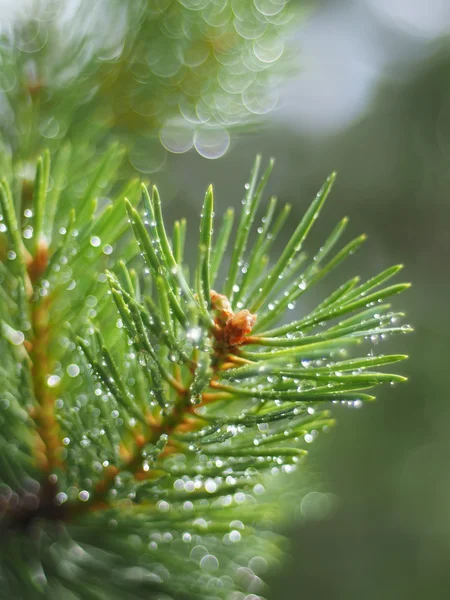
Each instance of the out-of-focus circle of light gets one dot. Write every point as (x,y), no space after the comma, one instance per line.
(259,99)
(33,39)
(147,155)
(212,142)
(268,49)
(177,136)
(221,80)
(49,128)
(269,8)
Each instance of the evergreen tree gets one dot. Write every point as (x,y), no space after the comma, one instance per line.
(146,402)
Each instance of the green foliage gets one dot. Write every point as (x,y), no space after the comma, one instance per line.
(176,72)
(143,412)
(148,401)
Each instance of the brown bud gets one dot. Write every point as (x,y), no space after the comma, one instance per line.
(238,326)
(221,307)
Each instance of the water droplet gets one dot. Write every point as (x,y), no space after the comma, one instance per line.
(234,536)
(259,489)
(209,563)
(53,380)
(15,337)
(258,565)
(189,486)
(194,334)
(28,233)
(73,370)
(163,506)
(61,498)
(95,241)
(210,486)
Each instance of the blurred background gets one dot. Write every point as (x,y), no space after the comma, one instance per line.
(369,96)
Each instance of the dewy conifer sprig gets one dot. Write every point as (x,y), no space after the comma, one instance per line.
(144,405)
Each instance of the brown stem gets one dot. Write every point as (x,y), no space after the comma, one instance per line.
(48,447)
(237,360)
(47,424)
(207,397)
(134,463)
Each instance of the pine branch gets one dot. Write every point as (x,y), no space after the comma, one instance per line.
(176,74)
(142,404)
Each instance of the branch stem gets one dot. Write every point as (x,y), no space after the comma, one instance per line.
(47,424)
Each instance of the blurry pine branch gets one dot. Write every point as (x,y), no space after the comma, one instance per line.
(146,403)
(172,72)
